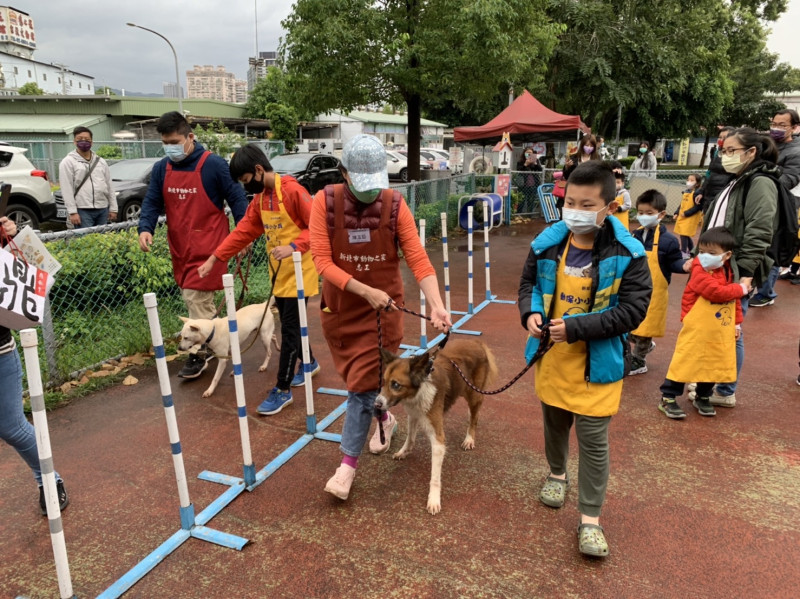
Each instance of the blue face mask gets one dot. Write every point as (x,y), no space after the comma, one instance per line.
(174,152)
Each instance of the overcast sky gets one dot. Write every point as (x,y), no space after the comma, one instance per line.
(90,36)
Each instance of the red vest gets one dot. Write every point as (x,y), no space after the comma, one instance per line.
(195,227)
(348,321)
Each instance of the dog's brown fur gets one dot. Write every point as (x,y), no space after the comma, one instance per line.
(427,393)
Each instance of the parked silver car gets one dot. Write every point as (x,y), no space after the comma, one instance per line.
(31,201)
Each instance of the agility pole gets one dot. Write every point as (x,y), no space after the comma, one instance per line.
(470,306)
(423,332)
(446,260)
(238,380)
(191,525)
(30,342)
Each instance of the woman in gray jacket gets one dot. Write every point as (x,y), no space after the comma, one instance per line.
(86,184)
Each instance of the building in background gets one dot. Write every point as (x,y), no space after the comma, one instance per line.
(171,90)
(17,66)
(258,67)
(209,83)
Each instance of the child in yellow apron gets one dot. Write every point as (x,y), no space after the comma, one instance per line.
(711,311)
(689,214)
(623,200)
(663,258)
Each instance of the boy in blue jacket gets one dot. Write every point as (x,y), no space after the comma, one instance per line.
(664,257)
(587,278)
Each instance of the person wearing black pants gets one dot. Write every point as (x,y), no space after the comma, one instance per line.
(291,345)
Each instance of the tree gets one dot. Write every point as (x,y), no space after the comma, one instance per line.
(268,90)
(421,54)
(30,89)
(218,138)
(282,123)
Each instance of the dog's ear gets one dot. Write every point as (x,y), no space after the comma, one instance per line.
(183,318)
(387,357)
(194,328)
(420,367)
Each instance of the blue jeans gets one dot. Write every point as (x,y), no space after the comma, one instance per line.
(14,427)
(357,420)
(767,290)
(92,217)
(727,389)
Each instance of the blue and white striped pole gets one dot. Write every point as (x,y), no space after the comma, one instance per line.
(187,509)
(238,380)
(423,332)
(311,419)
(470,306)
(486,223)
(446,263)
(30,341)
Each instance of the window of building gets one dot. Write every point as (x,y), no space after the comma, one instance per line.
(29,73)
(16,71)
(59,79)
(80,85)
(70,82)
(89,86)
(44,76)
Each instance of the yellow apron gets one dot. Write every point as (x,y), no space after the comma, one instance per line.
(706,348)
(687,225)
(280,229)
(559,374)
(623,217)
(655,322)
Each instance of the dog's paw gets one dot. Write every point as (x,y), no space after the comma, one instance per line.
(208,392)
(434,506)
(469,443)
(262,368)
(400,455)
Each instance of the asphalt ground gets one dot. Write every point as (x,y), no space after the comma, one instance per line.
(702,508)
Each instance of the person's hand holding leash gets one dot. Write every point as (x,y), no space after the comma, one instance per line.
(378,299)
(558,330)
(9,226)
(535,325)
(440,319)
(282,251)
(145,240)
(206,266)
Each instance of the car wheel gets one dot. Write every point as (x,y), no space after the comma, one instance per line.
(22,216)
(404,175)
(132,210)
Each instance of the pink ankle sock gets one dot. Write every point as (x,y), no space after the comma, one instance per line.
(350,461)
(384,416)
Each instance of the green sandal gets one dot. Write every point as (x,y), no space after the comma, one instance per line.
(554,492)
(591,540)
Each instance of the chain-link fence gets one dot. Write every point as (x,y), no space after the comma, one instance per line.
(428,199)
(95,310)
(47,154)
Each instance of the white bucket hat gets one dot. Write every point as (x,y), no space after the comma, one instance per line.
(365,160)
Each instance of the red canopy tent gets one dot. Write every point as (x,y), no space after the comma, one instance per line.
(526,119)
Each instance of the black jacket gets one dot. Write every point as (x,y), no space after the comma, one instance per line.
(670,258)
(717,180)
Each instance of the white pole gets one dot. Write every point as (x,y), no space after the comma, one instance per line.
(238,379)
(30,341)
(446,263)
(151,304)
(486,224)
(311,421)
(469,261)
(423,336)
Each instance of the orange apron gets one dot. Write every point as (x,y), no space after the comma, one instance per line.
(706,346)
(559,378)
(348,321)
(687,225)
(655,322)
(280,229)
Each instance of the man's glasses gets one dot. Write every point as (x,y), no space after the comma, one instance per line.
(783,126)
(731,151)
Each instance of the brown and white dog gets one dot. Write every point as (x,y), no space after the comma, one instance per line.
(427,386)
(198,331)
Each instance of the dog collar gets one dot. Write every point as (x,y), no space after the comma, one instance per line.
(210,337)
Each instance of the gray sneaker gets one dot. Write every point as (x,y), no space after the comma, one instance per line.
(726,401)
(671,409)
(704,406)
(638,366)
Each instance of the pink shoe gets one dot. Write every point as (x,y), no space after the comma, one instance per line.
(389,428)
(339,484)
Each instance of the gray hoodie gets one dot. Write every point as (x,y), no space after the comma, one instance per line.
(789,161)
(97,192)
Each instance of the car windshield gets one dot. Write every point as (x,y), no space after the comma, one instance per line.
(130,170)
(289,163)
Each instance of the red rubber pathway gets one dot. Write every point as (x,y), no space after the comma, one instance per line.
(701,508)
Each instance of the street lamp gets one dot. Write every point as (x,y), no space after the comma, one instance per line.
(175,54)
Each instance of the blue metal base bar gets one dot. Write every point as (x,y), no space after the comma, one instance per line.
(336,438)
(220,538)
(279,461)
(466,332)
(331,391)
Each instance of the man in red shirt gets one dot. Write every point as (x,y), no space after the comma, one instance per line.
(280,210)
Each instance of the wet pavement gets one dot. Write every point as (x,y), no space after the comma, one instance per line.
(705,507)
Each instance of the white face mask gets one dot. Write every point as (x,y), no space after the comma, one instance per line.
(648,221)
(690,185)
(711,261)
(581,221)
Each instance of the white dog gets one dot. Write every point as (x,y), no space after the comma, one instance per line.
(215,334)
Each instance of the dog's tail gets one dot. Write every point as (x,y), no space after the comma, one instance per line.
(491,375)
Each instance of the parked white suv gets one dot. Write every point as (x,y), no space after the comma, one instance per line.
(397,165)
(31,201)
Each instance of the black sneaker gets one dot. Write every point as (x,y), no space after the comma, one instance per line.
(193,368)
(63,498)
(638,366)
(671,409)
(704,406)
(760,302)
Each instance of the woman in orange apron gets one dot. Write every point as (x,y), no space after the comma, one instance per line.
(712,314)
(356,231)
